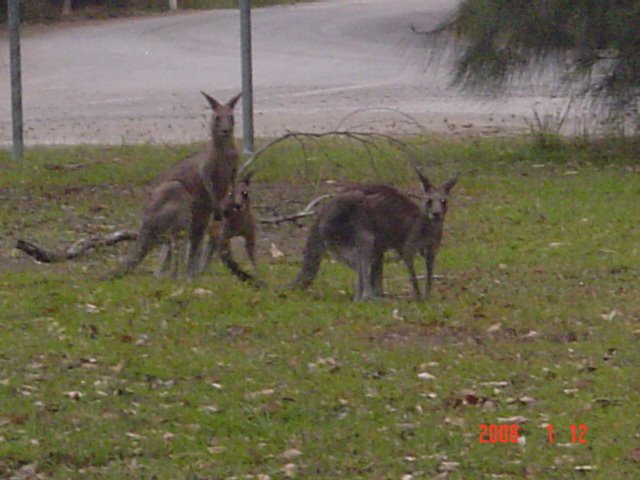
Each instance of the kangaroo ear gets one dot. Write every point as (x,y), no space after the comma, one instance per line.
(232,103)
(449,184)
(426,184)
(212,101)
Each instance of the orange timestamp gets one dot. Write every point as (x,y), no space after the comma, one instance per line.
(509,433)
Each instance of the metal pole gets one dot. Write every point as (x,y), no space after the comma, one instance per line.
(247,76)
(13,19)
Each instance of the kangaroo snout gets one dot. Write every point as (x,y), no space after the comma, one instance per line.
(231,209)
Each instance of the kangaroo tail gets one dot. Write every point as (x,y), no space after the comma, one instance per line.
(313,253)
(233,267)
(143,245)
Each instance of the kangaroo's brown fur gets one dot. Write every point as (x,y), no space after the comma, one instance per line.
(166,217)
(204,177)
(237,221)
(364,221)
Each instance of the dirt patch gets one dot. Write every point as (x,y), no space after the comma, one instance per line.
(403,333)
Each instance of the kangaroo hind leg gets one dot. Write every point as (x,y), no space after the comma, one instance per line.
(165,259)
(364,261)
(407,258)
(376,274)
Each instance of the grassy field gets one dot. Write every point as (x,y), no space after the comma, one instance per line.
(534,321)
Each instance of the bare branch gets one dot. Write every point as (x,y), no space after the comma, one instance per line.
(76,249)
(263,149)
(409,119)
(305,212)
(84,245)
(363,137)
(447,25)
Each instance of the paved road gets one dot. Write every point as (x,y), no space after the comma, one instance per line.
(137,80)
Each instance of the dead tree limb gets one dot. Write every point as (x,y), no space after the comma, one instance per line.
(406,119)
(305,212)
(368,139)
(76,249)
(84,245)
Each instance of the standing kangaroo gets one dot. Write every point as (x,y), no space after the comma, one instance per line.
(192,190)
(237,221)
(364,221)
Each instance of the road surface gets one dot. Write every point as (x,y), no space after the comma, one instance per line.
(136,80)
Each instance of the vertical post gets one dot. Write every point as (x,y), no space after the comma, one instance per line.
(247,76)
(13,19)
(173,5)
(66,7)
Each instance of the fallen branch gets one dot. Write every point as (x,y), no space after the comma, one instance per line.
(84,245)
(67,166)
(76,249)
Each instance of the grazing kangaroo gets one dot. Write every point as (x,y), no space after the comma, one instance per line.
(199,183)
(364,221)
(237,221)
(166,217)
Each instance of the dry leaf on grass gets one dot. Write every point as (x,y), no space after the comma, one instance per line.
(275,251)
(585,468)
(202,292)
(261,393)
(448,466)
(519,419)
(291,453)
(74,395)
(495,384)
(290,470)
(494,328)
(210,408)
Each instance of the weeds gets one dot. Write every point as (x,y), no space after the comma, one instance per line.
(546,129)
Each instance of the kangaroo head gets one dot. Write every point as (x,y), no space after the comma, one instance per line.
(435,198)
(238,198)
(222,121)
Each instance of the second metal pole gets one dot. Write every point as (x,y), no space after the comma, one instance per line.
(13,19)
(247,76)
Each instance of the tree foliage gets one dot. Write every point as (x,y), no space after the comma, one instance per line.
(46,11)
(596,39)
(52,10)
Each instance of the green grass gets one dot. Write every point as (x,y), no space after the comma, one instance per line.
(538,288)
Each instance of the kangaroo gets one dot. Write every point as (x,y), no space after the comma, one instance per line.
(237,221)
(204,179)
(364,221)
(166,217)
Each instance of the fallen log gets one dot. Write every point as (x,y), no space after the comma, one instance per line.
(76,249)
